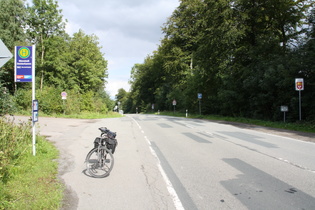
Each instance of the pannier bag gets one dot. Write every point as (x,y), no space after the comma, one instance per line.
(97,141)
(110,143)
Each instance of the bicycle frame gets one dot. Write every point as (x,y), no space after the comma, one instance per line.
(100,160)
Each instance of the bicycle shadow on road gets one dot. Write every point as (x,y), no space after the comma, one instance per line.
(86,172)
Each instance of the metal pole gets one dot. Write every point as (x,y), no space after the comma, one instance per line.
(33,98)
(63,106)
(300,109)
(199,107)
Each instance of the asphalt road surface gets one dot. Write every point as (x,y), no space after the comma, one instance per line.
(177,163)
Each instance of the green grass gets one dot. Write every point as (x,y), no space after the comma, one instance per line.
(81,115)
(297,126)
(89,115)
(33,182)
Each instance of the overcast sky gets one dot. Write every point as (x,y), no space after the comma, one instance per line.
(128,31)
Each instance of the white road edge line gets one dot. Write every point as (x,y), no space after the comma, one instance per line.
(177,203)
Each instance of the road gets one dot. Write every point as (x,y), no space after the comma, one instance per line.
(177,163)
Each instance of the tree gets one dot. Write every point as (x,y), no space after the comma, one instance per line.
(268,29)
(242,55)
(12,22)
(121,98)
(44,21)
(88,68)
(12,26)
(58,62)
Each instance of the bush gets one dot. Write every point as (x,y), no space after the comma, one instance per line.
(22,99)
(19,170)
(7,105)
(50,102)
(15,139)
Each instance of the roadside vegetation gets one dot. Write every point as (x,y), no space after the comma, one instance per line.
(242,56)
(85,115)
(27,181)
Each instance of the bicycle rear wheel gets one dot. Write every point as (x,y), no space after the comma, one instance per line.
(99,162)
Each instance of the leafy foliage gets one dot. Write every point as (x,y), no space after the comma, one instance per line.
(12,25)
(14,141)
(243,56)
(63,63)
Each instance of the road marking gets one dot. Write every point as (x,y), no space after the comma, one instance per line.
(294,164)
(177,203)
(190,126)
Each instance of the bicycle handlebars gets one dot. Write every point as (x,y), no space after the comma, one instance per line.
(109,133)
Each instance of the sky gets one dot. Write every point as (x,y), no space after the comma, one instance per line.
(128,31)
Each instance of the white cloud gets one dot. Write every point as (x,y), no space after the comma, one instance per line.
(114,85)
(127,30)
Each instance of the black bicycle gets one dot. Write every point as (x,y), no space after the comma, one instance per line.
(100,160)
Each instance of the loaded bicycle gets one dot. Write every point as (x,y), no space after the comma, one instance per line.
(100,160)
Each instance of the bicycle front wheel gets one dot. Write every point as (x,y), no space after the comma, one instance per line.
(99,162)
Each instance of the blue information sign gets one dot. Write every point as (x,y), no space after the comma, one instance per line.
(35,110)
(24,63)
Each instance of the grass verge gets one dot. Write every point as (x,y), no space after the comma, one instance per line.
(32,182)
(81,115)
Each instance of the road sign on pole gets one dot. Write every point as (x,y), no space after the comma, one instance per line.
(24,63)
(299,86)
(284,109)
(35,111)
(24,66)
(199,98)
(5,54)
(174,104)
(64,95)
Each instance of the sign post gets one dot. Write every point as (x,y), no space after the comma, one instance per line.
(299,86)
(199,98)
(35,111)
(174,104)
(24,66)
(284,109)
(63,97)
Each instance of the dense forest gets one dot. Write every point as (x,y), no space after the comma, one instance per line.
(73,64)
(242,55)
